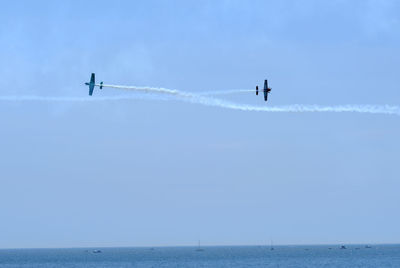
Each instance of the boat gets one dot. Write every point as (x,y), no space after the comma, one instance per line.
(198,247)
(96,251)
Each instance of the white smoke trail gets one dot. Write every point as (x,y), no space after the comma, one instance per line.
(145,89)
(177,92)
(226,92)
(32,98)
(210,101)
(299,108)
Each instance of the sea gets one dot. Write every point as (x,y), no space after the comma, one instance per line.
(216,256)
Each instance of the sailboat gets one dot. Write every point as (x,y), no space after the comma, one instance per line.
(272,246)
(199,248)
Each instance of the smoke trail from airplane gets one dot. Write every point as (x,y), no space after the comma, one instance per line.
(225,92)
(145,89)
(295,108)
(177,92)
(32,98)
(162,93)
(208,101)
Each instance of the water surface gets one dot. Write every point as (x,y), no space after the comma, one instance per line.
(221,256)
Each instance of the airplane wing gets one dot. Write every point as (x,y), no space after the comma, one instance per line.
(91,88)
(91,84)
(265,90)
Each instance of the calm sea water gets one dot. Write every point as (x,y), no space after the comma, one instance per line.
(226,256)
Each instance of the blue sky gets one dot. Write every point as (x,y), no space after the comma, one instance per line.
(148,172)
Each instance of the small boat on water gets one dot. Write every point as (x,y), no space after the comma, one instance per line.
(367,246)
(96,251)
(199,247)
(343,247)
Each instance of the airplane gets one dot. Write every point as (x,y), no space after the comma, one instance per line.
(266,90)
(92,84)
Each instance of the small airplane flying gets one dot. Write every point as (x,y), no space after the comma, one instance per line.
(92,84)
(266,90)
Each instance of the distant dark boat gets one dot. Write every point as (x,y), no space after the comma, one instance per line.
(367,246)
(272,246)
(96,251)
(198,247)
(343,247)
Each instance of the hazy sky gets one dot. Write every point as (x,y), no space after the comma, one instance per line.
(148,172)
